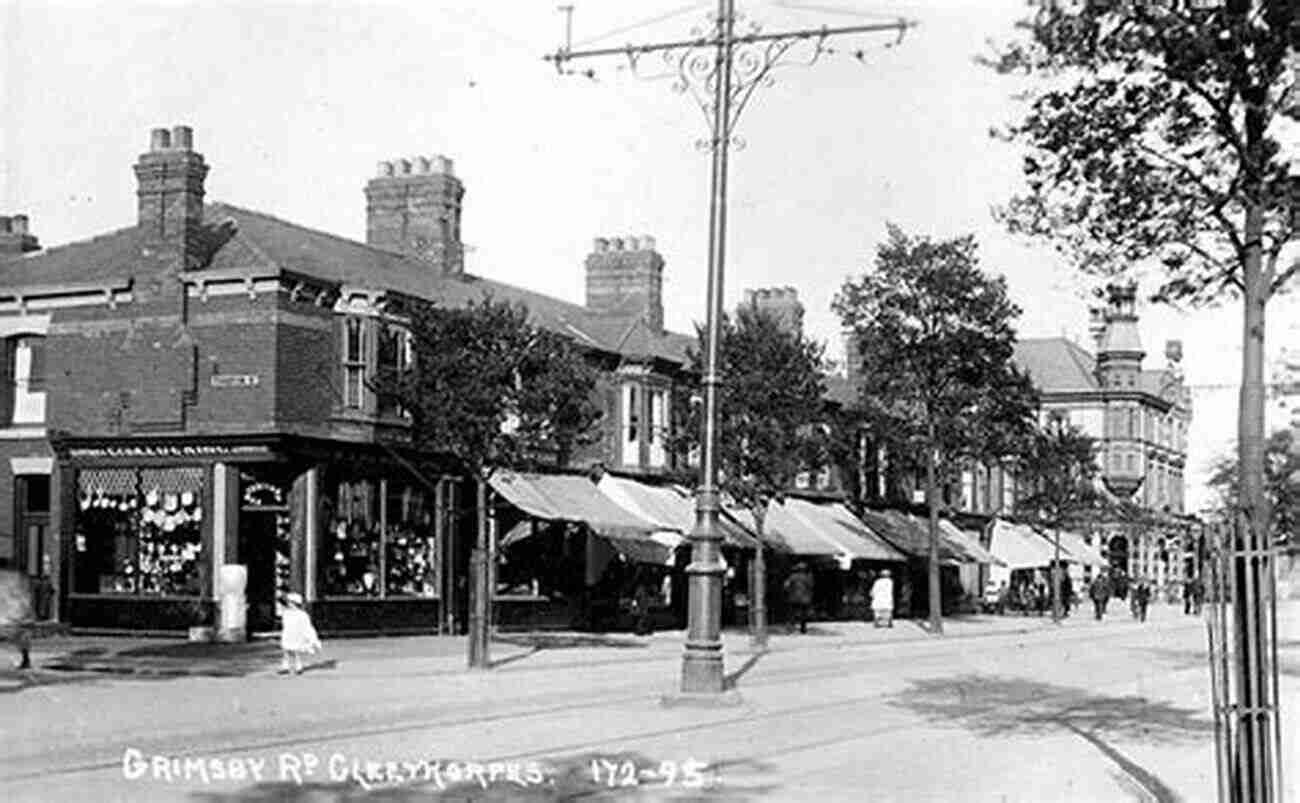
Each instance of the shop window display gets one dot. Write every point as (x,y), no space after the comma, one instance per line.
(379,541)
(139,531)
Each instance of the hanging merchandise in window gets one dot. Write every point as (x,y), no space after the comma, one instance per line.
(139,532)
(379,541)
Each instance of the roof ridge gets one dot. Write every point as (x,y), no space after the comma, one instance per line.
(302,227)
(53,249)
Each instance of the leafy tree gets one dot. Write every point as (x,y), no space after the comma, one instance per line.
(1059,471)
(771,417)
(1281,483)
(936,339)
(488,387)
(1160,140)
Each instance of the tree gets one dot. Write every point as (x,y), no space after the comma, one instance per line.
(1059,470)
(771,416)
(489,388)
(1281,483)
(1160,141)
(936,339)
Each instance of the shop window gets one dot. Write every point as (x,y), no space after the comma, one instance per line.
(354,363)
(379,541)
(138,531)
(23,396)
(631,419)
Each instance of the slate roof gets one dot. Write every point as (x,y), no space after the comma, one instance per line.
(243,238)
(1056,364)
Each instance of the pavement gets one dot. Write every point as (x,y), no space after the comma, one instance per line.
(164,657)
(1001,709)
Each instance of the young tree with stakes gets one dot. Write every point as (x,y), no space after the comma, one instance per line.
(936,339)
(490,388)
(1059,470)
(770,423)
(1165,135)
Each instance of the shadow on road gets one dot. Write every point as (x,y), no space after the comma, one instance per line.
(992,706)
(13,681)
(585,776)
(733,679)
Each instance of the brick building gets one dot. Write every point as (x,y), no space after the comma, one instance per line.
(191,391)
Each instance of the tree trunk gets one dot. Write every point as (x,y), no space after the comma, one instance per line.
(1253,606)
(758,587)
(479,611)
(932,501)
(1056,577)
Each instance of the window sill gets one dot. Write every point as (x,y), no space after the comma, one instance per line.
(22,431)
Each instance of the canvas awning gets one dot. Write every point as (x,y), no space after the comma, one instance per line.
(564,497)
(968,542)
(1074,548)
(1019,547)
(669,508)
(812,529)
(912,536)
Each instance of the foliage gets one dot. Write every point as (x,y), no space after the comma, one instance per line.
(491,388)
(1159,137)
(1281,483)
(936,339)
(771,412)
(1060,470)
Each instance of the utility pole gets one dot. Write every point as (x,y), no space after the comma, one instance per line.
(721,70)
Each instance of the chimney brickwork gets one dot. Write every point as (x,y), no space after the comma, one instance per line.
(413,207)
(170,196)
(781,303)
(626,275)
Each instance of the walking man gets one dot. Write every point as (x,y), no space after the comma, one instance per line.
(882,600)
(1100,593)
(16,614)
(798,594)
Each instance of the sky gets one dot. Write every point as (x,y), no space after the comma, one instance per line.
(294,104)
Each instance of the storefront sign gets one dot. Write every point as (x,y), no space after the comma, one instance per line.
(235,380)
(170,450)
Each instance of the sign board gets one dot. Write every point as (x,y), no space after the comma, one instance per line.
(235,380)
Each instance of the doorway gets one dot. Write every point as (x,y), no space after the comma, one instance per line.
(265,540)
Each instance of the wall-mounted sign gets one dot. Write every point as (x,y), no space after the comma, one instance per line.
(235,380)
(170,450)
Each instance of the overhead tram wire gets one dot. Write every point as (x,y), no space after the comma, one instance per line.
(682,11)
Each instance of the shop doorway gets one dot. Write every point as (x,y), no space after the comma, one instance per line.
(264,548)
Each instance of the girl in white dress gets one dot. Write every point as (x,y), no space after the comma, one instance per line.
(297,634)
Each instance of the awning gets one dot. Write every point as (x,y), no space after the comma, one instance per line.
(1074,548)
(1019,547)
(811,529)
(911,536)
(563,497)
(669,508)
(968,542)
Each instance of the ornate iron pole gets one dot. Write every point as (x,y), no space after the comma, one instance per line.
(721,70)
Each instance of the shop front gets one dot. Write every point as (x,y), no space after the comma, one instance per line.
(361,533)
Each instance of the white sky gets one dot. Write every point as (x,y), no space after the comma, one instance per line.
(294,103)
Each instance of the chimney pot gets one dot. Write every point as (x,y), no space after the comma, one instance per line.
(647,242)
(616,243)
(633,244)
(182,138)
(19,223)
(600,245)
(441,164)
(422,164)
(160,139)
(403,167)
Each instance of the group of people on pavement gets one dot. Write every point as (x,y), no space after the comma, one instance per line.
(798,589)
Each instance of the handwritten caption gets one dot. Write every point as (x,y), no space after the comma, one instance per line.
(305,767)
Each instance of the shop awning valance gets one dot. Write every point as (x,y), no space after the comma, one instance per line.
(911,536)
(1019,547)
(812,529)
(563,497)
(670,508)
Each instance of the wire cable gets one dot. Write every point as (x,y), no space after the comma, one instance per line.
(683,10)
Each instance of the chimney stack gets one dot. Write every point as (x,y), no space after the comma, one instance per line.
(413,207)
(781,303)
(14,237)
(170,196)
(625,275)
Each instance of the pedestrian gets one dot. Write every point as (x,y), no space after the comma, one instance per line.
(882,600)
(1141,599)
(798,594)
(1100,593)
(297,634)
(1198,595)
(1067,593)
(16,615)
